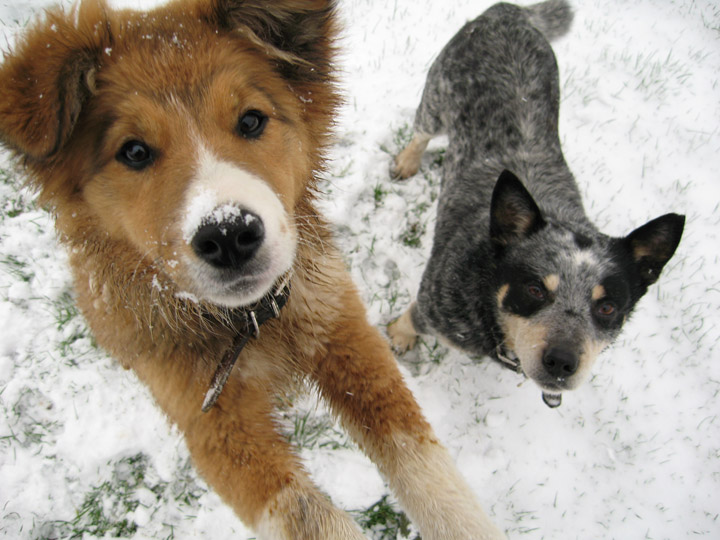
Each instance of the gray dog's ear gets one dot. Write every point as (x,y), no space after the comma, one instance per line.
(513,212)
(652,245)
(299,34)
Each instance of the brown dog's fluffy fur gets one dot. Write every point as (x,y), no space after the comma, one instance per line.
(74,91)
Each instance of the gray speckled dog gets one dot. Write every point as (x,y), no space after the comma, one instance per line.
(517,271)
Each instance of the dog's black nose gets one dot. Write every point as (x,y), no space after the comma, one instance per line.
(560,362)
(230,243)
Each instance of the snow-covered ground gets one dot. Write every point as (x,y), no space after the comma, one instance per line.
(635,453)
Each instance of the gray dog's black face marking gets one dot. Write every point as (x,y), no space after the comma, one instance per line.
(516,268)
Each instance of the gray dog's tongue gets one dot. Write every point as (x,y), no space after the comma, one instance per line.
(552,400)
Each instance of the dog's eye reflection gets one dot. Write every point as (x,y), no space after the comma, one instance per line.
(536,291)
(135,154)
(252,124)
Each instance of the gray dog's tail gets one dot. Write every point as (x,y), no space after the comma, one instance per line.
(553,18)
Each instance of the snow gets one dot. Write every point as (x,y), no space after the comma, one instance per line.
(200,205)
(634,453)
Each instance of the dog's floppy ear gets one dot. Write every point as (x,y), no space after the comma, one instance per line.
(298,33)
(45,82)
(652,245)
(513,212)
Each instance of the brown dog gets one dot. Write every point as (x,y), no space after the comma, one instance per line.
(178,149)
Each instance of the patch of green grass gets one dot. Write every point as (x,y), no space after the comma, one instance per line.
(391,298)
(658,76)
(379,194)
(394,295)
(7,178)
(20,200)
(434,350)
(106,509)
(384,521)
(34,430)
(412,235)
(184,487)
(306,430)
(437,158)
(401,138)
(68,319)
(27,420)
(345,170)
(420,209)
(11,438)
(17,268)
(65,309)
(14,207)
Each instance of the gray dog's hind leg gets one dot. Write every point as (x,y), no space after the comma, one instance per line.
(428,124)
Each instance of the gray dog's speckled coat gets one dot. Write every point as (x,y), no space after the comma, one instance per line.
(512,267)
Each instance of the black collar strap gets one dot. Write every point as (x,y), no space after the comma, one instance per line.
(508,359)
(265,309)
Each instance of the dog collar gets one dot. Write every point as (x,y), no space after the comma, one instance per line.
(508,359)
(268,307)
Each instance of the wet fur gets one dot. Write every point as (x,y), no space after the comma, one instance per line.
(74,90)
(516,266)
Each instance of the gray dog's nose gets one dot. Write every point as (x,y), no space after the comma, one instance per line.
(230,243)
(560,362)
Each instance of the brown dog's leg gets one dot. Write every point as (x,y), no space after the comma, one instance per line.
(359,378)
(238,450)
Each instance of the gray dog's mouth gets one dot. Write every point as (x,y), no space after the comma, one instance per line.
(510,360)
(552,400)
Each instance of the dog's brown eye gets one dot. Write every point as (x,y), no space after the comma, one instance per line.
(252,124)
(606,309)
(536,291)
(135,154)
